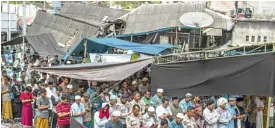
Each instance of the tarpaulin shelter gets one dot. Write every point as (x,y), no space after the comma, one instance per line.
(247,75)
(43,44)
(101,45)
(98,71)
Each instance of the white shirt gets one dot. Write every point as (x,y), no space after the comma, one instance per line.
(161,110)
(211,118)
(52,92)
(77,109)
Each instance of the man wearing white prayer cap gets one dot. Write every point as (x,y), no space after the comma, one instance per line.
(157,99)
(115,122)
(150,118)
(113,103)
(225,115)
(78,109)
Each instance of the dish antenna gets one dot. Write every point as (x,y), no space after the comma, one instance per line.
(196,19)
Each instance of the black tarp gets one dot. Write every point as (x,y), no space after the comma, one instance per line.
(43,44)
(242,75)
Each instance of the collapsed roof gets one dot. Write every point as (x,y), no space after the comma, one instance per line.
(74,22)
(152,17)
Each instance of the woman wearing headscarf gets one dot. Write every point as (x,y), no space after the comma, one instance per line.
(101,117)
(225,116)
(26,98)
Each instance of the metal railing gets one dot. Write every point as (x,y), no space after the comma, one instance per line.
(212,54)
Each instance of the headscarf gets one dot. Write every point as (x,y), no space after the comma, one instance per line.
(103,113)
(221,101)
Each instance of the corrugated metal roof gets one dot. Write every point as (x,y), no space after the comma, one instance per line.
(74,22)
(43,44)
(91,13)
(63,29)
(151,17)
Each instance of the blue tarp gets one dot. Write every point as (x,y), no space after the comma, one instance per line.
(101,45)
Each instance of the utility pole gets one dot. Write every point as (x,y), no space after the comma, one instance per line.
(9,23)
(24,18)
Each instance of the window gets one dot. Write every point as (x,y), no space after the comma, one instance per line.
(259,38)
(247,38)
(265,38)
(253,39)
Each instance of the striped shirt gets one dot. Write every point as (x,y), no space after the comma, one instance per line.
(63,108)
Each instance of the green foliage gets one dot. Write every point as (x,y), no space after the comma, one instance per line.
(134,4)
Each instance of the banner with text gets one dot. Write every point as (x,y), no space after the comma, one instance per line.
(105,58)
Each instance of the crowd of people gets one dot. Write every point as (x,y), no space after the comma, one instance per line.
(45,100)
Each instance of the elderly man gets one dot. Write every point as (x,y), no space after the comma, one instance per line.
(113,104)
(157,99)
(210,115)
(78,110)
(115,122)
(163,111)
(177,123)
(175,109)
(137,101)
(123,108)
(225,115)
(198,116)
(134,119)
(188,120)
(150,118)
(186,102)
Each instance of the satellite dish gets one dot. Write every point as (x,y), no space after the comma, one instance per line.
(196,19)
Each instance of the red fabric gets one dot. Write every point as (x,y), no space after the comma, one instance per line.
(103,114)
(26,118)
(63,108)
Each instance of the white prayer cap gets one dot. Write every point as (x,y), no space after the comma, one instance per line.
(221,101)
(116,113)
(113,97)
(160,90)
(94,83)
(104,104)
(29,85)
(77,97)
(188,95)
(69,86)
(19,80)
(151,109)
(134,82)
(145,79)
(180,115)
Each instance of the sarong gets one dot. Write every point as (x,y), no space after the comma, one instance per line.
(42,122)
(7,110)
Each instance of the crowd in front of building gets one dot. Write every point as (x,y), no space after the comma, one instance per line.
(54,101)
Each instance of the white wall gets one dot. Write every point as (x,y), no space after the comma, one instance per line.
(243,29)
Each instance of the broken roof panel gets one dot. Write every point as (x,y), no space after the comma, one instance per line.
(160,16)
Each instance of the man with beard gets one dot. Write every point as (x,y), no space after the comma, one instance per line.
(225,115)
(186,102)
(123,108)
(150,119)
(115,122)
(157,99)
(175,109)
(134,119)
(198,116)
(147,100)
(137,101)
(17,104)
(210,115)
(177,123)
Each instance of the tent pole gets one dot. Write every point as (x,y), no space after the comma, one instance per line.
(85,52)
(268,113)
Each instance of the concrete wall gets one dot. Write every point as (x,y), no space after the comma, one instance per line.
(256,29)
